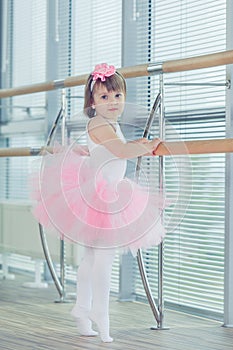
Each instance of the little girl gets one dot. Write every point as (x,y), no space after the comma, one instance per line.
(88,200)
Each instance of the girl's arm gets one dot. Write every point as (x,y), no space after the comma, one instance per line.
(101,132)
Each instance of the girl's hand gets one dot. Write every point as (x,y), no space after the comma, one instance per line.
(153,145)
(150,145)
(155,142)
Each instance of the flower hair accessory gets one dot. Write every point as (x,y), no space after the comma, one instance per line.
(102,71)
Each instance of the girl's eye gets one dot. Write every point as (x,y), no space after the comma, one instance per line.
(104,97)
(118,95)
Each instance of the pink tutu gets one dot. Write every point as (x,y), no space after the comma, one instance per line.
(82,206)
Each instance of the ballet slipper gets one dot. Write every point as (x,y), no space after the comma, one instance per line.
(84,328)
(102,323)
(84,325)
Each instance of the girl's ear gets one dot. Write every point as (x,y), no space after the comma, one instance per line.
(92,103)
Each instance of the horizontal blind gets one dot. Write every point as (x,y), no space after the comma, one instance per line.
(96,38)
(27,30)
(194,109)
(28,56)
(27,65)
(15,170)
(194,250)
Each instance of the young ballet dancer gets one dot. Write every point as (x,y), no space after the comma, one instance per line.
(88,199)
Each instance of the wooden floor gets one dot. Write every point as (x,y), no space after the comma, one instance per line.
(30,320)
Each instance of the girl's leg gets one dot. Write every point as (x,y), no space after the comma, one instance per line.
(82,307)
(101,280)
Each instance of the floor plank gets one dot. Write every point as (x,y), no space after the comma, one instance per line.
(31,320)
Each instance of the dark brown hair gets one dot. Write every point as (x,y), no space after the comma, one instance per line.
(115,82)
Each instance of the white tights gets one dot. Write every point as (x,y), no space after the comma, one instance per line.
(93,289)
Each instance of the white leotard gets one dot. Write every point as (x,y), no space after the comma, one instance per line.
(112,168)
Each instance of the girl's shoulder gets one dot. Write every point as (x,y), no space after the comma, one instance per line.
(99,129)
(96,123)
(96,129)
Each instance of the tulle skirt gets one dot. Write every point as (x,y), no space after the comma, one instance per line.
(81,205)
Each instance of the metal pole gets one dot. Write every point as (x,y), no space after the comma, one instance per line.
(161,178)
(50,262)
(42,233)
(147,288)
(62,242)
(59,282)
(156,312)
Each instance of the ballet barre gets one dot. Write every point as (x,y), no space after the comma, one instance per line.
(164,148)
(147,69)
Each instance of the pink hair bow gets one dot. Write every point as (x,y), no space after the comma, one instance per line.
(102,71)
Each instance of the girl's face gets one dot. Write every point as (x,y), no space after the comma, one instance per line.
(108,104)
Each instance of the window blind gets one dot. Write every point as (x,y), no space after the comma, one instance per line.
(96,38)
(28,61)
(195,107)
(15,170)
(26,31)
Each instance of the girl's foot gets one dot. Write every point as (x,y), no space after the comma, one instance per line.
(102,323)
(84,325)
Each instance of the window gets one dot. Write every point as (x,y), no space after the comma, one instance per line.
(87,33)
(26,64)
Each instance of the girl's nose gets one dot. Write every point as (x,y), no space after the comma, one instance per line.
(112,99)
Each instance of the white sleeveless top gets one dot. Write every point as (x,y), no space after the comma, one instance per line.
(112,168)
